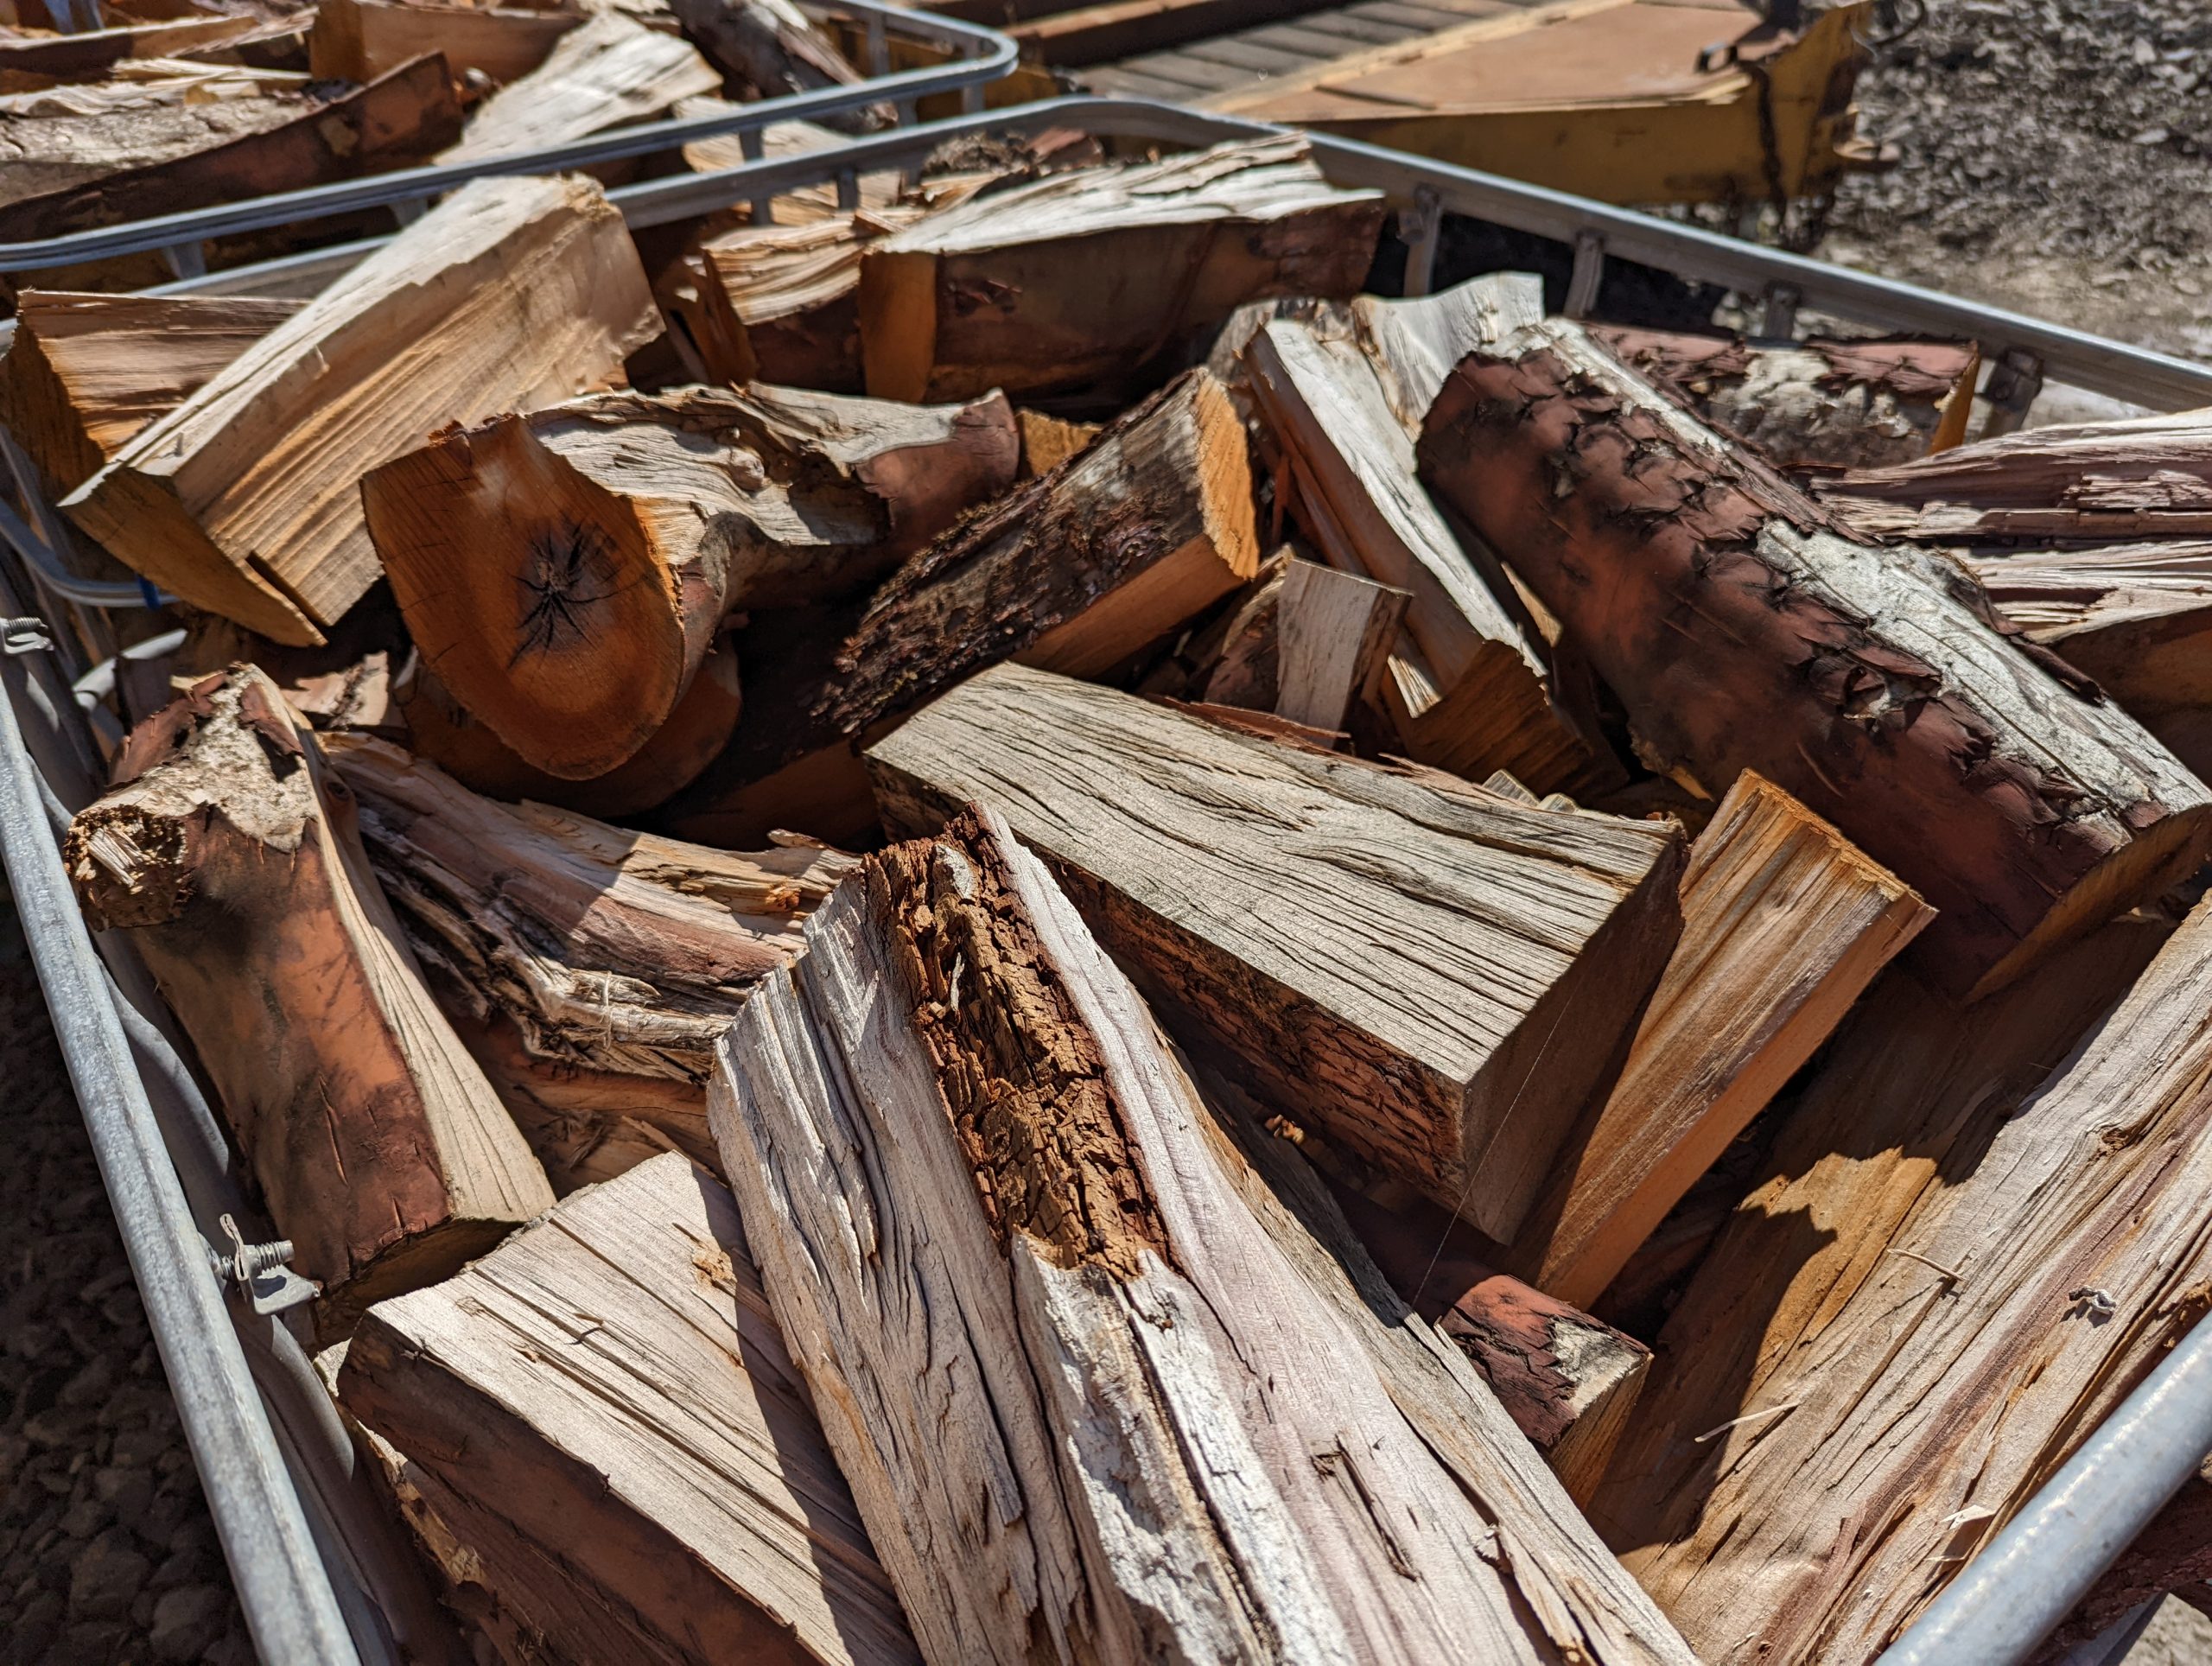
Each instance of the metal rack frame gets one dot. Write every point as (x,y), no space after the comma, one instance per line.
(318,1571)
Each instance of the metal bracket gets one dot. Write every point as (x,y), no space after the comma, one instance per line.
(24,636)
(2015,377)
(258,1270)
(1589,273)
(1778,320)
(1420,226)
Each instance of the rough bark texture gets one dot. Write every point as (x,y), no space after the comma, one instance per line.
(1742,631)
(1814,404)
(1093,273)
(232,859)
(1783,925)
(1088,1402)
(566,571)
(1440,980)
(1899,1337)
(664,1494)
(1075,571)
(245,499)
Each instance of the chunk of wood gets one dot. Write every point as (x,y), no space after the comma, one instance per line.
(566,570)
(769,49)
(231,857)
(1093,273)
(245,498)
(2008,1252)
(779,303)
(91,55)
(403,118)
(1074,571)
(610,72)
(59,137)
(1819,403)
(1438,980)
(360,40)
(2141,478)
(1742,630)
(1333,635)
(86,372)
(2137,616)
(667,1494)
(1784,924)
(616,950)
(699,726)
(1066,1339)
(1467,691)
(1047,442)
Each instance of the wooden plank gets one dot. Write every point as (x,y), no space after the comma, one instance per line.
(665,1493)
(245,499)
(1029,1322)
(1232,875)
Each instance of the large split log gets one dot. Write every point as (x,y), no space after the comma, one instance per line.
(618,951)
(360,40)
(1784,924)
(232,859)
(1819,403)
(1742,630)
(610,72)
(86,372)
(1968,1249)
(665,1494)
(1089,1405)
(2142,477)
(1468,692)
(1075,571)
(404,118)
(245,498)
(1093,273)
(1439,980)
(566,570)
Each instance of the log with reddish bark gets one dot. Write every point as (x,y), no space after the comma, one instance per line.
(1742,629)
(231,856)
(566,570)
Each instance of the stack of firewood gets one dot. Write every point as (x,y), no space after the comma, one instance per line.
(1154,920)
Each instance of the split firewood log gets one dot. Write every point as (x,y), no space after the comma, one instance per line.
(360,40)
(86,372)
(1784,924)
(667,1494)
(245,498)
(1094,273)
(770,49)
(1439,980)
(698,728)
(1333,632)
(1898,1326)
(231,857)
(1814,404)
(403,118)
(618,952)
(1742,629)
(610,72)
(2136,617)
(1102,1396)
(1075,571)
(1468,690)
(2141,478)
(1047,440)
(566,570)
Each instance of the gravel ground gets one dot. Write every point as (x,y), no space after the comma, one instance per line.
(106,1553)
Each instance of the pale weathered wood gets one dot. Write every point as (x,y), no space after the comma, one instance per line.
(1819,403)
(360,40)
(232,859)
(1438,980)
(1468,692)
(1091,273)
(1075,571)
(2137,616)
(1784,923)
(245,498)
(1894,1313)
(1741,630)
(566,570)
(616,950)
(2144,477)
(88,371)
(1333,636)
(1086,1399)
(664,1493)
(609,72)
